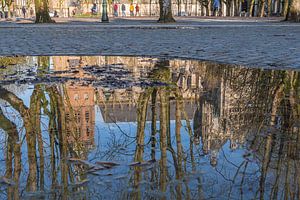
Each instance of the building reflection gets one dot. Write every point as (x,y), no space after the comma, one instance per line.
(80,115)
(255,110)
(119,105)
(79,101)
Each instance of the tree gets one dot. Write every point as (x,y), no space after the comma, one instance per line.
(42,12)
(294,11)
(165,13)
(9,5)
(206,4)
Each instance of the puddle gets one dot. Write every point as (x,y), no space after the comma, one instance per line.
(144,128)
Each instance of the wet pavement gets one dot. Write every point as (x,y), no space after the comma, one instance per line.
(115,127)
(247,42)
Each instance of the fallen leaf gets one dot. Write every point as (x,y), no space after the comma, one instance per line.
(107,164)
(81,182)
(83,162)
(134,164)
(7,181)
(141,164)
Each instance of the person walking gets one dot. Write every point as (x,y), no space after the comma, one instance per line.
(123,10)
(31,12)
(131,9)
(137,10)
(116,10)
(244,9)
(24,11)
(216,6)
(94,9)
(6,10)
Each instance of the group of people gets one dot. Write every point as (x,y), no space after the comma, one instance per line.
(23,10)
(216,8)
(123,9)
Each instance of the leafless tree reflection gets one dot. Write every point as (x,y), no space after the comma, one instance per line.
(203,131)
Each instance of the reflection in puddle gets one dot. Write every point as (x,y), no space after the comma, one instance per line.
(140,128)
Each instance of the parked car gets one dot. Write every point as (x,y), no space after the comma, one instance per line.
(53,13)
(182,13)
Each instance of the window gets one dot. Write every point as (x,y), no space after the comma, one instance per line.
(87,131)
(67,116)
(87,116)
(78,132)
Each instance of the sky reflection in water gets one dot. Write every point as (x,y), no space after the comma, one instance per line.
(145,128)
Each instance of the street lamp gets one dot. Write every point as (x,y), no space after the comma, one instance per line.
(104,18)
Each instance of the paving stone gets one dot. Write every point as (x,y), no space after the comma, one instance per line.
(265,44)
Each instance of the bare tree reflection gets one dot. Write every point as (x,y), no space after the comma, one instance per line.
(201,131)
(13,170)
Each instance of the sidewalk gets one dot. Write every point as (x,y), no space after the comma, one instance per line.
(146,20)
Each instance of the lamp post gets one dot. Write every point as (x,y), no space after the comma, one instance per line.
(104,18)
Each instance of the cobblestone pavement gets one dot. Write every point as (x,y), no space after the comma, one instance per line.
(249,42)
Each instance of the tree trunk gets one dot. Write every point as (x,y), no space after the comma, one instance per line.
(163,141)
(228,8)
(150,10)
(262,8)
(10,9)
(52,129)
(202,10)
(269,7)
(2,5)
(179,7)
(62,138)
(13,150)
(275,104)
(153,123)
(208,8)
(42,12)
(265,166)
(285,8)
(165,13)
(141,120)
(252,2)
(236,8)
(294,14)
(142,108)
(179,172)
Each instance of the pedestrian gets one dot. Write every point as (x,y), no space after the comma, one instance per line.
(137,10)
(55,13)
(31,12)
(6,11)
(244,9)
(123,10)
(94,9)
(216,6)
(131,9)
(116,10)
(24,11)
